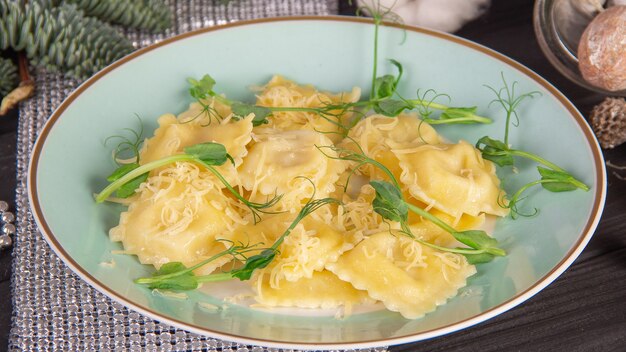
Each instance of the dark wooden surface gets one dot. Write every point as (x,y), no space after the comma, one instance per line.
(583,310)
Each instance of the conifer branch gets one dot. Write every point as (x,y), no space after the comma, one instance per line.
(151,15)
(8,76)
(59,38)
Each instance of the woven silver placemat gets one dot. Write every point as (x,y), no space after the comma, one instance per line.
(54,310)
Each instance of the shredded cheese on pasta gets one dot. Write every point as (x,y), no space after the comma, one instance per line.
(337,257)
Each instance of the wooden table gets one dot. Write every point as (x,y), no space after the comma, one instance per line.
(583,310)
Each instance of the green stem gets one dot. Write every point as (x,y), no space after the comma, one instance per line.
(150,280)
(537,158)
(472,118)
(534,183)
(527,186)
(437,106)
(106,192)
(579,184)
(435,220)
(374,73)
(549,164)
(428,103)
(506,127)
(495,251)
(221,99)
(280,240)
(215,277)
(290,108)
(452,250)
(228,186)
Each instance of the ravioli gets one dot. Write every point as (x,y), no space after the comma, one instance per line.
(308,248)
(290,163)
(453,178)
(405,276)
(178,215)
(281,92)
(356,214)
(262,234)
(377,135)
(174,134)
(322,290)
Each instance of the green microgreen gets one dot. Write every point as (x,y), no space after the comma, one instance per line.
(260,112)
(429,96)
(384,97)
(207,155)
(203,89)
(553,177)
(358,157)
(390,204)
(509,101)
(263,259)
(176,276)
(127,189)
(128,146)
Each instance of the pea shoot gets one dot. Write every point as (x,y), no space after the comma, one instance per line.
(384,98)
(202,89)
(391,205)
(553,177)
(128,147)
(127,178)
(176,276)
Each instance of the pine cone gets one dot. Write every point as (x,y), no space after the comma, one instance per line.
(8,76)
(608,121)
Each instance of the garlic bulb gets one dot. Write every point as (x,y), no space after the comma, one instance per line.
(443,15)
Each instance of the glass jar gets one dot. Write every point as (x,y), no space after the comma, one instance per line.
(559,24)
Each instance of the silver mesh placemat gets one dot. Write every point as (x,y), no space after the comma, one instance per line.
(54,310)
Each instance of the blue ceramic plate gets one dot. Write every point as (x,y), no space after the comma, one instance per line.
(69,163)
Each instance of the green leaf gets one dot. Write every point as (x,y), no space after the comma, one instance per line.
(495,151)
(479,258)
(260,112)
(492,143)
(385,86)
(170,268)
(564,182)
(500,160)
(210,153)
(455,113)
(398,65)
(391,107)
(121,171)
(128,189)
(181,283)
(476,239)
(388,202)
(258,261)
(479,239)
(203,88)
